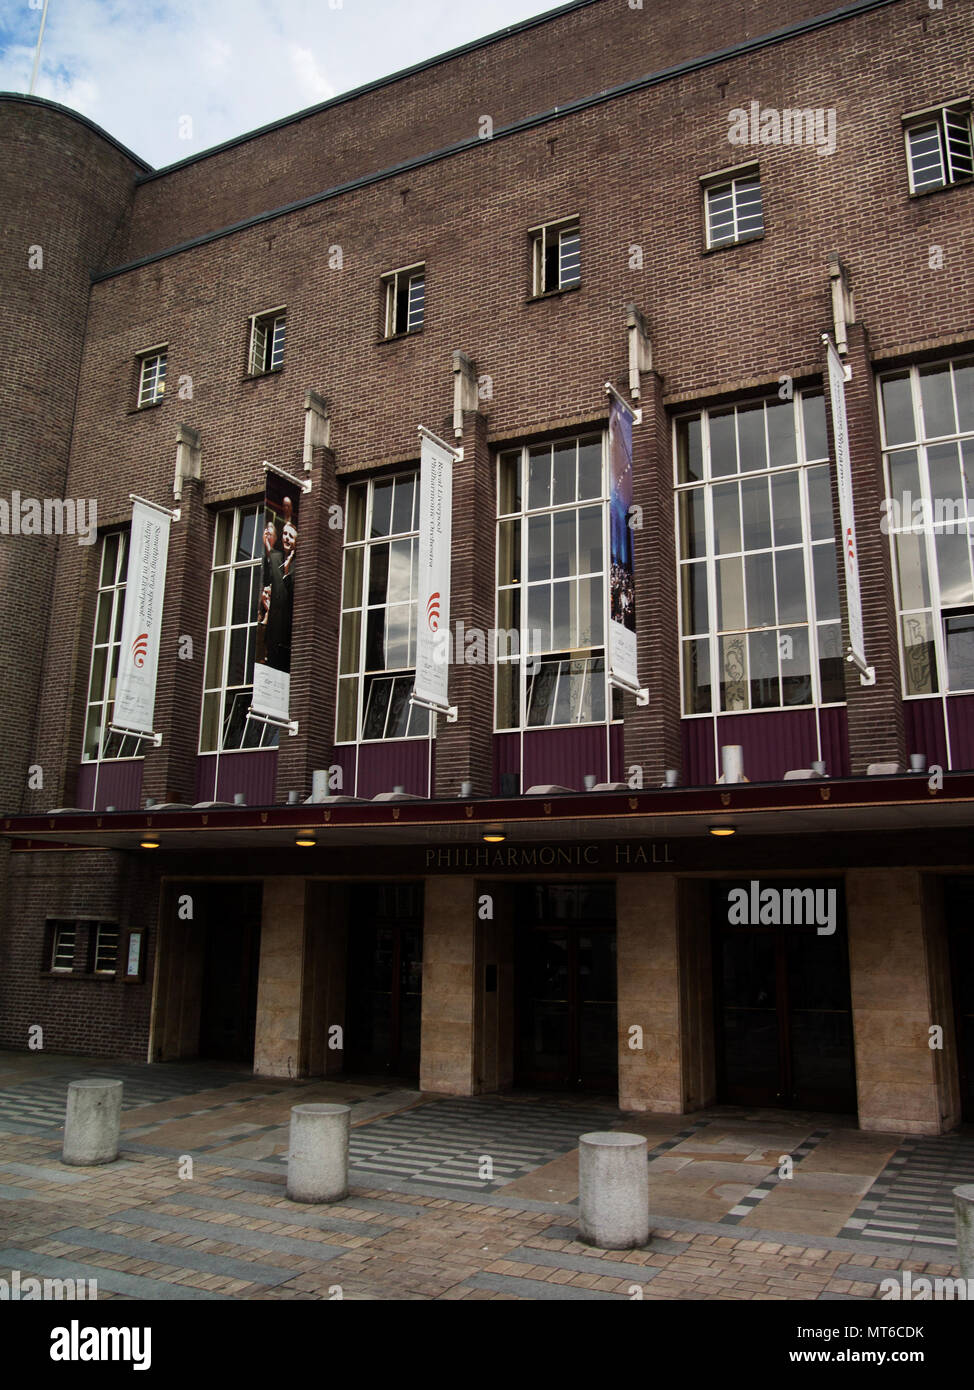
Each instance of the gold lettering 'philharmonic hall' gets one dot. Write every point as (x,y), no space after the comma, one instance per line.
(548,856)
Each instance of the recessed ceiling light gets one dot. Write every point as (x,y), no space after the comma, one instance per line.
(720,830)
(149,843)
(306,839)
(494,834)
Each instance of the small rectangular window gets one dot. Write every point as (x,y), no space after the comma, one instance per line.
(152,377)
(405,300)
(940,148)
(63,940)
(267,342)
(105,949)
(556,252)
(734,209)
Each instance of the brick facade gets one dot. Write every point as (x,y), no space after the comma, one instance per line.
(723,325)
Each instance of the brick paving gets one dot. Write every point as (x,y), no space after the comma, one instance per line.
(143,1231)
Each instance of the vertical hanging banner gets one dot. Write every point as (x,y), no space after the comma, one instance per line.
(432,682)
(145,584)
(275,600)
(622,588)
(843,475)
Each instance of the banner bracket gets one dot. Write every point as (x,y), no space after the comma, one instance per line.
(303,483)
(634,411)
(867,674)
(457,454)
(172,512)
(155,739)
(451,712)
(290,724)
(641,692)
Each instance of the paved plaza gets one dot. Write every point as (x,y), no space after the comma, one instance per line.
(455,1198)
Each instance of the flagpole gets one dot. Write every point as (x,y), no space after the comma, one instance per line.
(37,52)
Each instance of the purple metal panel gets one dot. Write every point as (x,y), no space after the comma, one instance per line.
(550,757)
(119,785)
(697,736)
(834,723)
(923,723)
(774,741)
(409,763)
(254,774)
(960,717)
(344,757)
(507,756)
(562,757)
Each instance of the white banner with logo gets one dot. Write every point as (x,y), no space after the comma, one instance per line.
(433,606)
(843,475)
(138,661)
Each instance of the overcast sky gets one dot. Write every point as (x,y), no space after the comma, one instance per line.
(138,67)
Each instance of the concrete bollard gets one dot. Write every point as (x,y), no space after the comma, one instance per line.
(964,1214)
(613,1191)
(92,1121)
(317,1162)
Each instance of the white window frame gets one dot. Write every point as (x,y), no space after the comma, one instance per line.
(567,233)
(802,466)
(152,375)
(565,656)
(110,928)
(268,733)
(112,593)
(360,675)
(414,277)
(732,180)
(60,928)
(921,443)
(266,341)
(954,166)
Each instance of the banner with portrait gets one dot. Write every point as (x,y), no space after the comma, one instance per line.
(275,599)
(622,587)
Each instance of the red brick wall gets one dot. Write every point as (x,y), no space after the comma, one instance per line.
(97,1016)
(719,321)
(734,320)
(573,55)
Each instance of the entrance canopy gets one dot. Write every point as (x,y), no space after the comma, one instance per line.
(834,819)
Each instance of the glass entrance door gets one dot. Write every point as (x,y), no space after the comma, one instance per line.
(784,1015)
(385,980)
(565,974)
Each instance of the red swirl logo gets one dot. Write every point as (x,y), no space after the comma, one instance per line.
(433,611)
(139,649)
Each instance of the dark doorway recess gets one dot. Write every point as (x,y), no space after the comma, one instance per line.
(783,1007)
(385,980)
(231,957)
(565,987)
(959,915)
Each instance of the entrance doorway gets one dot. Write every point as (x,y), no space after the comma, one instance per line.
(565,987)
(783,1007)
(385,980)
(231,957)
(959,907)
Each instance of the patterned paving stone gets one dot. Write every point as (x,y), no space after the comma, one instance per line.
(444,1141)
(912,1199)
